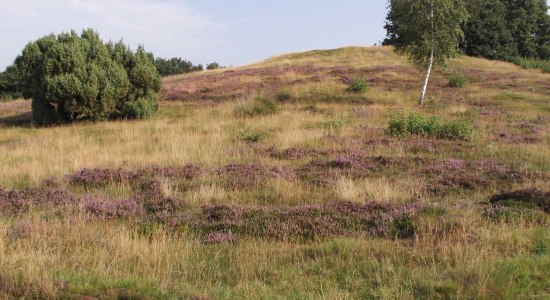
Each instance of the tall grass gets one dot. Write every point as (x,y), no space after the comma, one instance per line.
(322,146)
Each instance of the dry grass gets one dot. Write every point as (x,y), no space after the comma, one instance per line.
(324,145)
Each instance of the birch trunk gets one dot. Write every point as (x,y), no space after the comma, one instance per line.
(428,72)
(431,62)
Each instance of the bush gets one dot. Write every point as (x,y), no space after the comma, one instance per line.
(358,86)
(249,136)
(140,109)
(458,80)
(418,124)
(258,107)
(457,130)
(533,63)
(73,78)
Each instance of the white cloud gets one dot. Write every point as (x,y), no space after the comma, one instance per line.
(166,27)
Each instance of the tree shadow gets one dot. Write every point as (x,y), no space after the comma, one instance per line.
(20,120)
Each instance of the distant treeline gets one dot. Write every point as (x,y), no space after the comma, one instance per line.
(500,29)
(176,65)
(10,81)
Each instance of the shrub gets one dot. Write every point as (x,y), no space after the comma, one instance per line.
(258,107)
(413,123)
(140,109)
(246,135)
(418,124)
(457,130)
(336,123)
(533,63)
(73,78)
(358,86)
(458,80)
(283,96)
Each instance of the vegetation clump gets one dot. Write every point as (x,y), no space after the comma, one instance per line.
(249,136)
(533,63)
(458,80)
(418,124)
(358,86)
(534,197)
(260,106)
(73,78)
(283,96)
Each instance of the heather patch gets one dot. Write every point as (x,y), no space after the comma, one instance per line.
(219,238)
(187,172)
(222,214)
(528,205)
(246,176)
(154,200)
(352,165)
(109,209)
(530,197)
(312,221)
(455,174)
(99,177)
(22,200)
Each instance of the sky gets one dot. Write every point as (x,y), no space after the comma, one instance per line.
(233,33)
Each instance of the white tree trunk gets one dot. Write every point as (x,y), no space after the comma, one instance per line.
(428,72)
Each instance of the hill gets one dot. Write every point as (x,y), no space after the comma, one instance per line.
(272,180)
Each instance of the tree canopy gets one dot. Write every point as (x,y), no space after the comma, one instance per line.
(428,31)
(73,77)
(497,29)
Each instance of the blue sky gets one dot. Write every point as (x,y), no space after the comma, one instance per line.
(232,32)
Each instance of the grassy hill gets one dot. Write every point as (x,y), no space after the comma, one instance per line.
(272,180)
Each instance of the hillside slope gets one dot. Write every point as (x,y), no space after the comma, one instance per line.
(273,181)
(323,70)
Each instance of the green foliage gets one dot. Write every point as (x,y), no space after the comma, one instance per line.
(358,86)
(458,80)
(214,66)
(486,31)
(10,82)
(249,136)
(336,124)
(140,109)
(501,29)
(414,32)
(418,124)
(533,63)
(73,78)
(260,106)
(174,66)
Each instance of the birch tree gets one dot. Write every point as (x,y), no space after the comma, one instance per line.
(427,31)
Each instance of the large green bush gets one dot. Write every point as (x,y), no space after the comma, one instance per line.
(73,77)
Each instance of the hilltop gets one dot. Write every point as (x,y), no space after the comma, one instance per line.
(273,180)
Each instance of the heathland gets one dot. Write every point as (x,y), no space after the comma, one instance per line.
(305,176)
